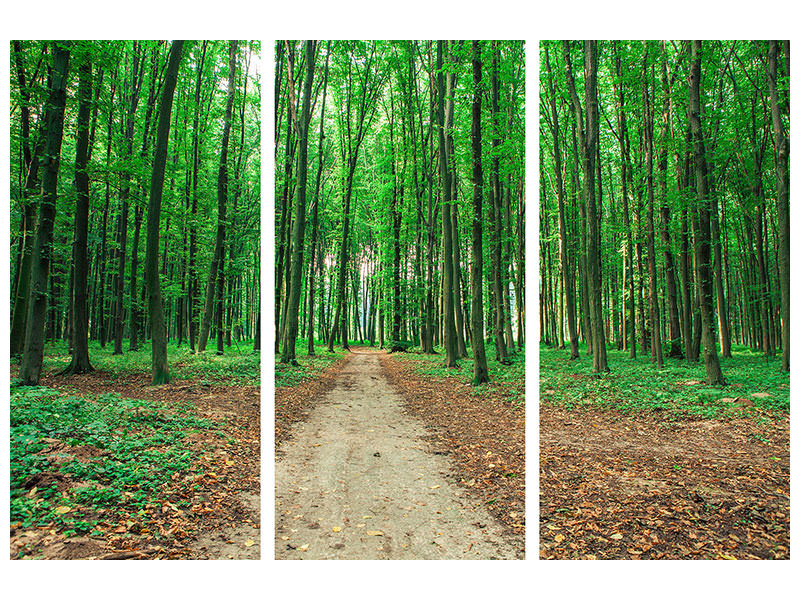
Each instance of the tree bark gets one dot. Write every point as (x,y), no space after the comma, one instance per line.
(43,246)
(703,226)
(222,199)
(569,285)
(445,85)
(158,329)
(298,233)
(781,142)
(80,318)
(480,370)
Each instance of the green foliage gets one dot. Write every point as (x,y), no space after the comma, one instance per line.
(308,367)
(239,365)
(121,451)
(677,390)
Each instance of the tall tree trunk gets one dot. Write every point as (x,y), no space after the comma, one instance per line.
(703,229)
(445,122)
(158,329)
(655,317)
(222,198)
(589,139)
(315,211)
(43,247)
(31,159)
(480,370)
(80,318)
(497,212)
(669,261)
(781,142)
(301,125)
(569,285)
(626,219)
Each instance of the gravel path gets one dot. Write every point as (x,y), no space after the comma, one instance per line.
(357,481)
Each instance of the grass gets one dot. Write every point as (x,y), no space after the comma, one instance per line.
(511,377)
(239,364)
(308,366)
(636,385)
(135,448)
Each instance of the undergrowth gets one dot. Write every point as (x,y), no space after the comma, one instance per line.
(307,366)
(238,365)
(676,390)
(128,449)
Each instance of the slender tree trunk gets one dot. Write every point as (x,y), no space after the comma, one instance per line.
(781,142)
(655,317)
(569,284)
(80,318)
(497,211)
(158,328)
(301,125)
(703,229)
(222,198)
(480,371)
(43,247)
(445,122)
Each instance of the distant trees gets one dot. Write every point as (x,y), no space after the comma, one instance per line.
(78,279)
(680,214)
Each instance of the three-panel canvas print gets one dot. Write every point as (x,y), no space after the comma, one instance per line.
(398,325)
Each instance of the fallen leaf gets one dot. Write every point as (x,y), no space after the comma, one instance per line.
(374,533)
(249,543)
(337,529)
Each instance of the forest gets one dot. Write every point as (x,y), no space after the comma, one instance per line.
(394,180)
(664,262)
(399,255)
(135,237)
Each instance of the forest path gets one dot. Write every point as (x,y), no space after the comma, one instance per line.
(357,481)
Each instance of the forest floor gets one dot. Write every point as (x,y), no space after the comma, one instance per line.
(366,472)
(643,464)
(106,466)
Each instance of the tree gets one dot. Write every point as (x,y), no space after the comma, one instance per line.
(781,144)
(80,318)
(298,231)
(217,263)
(703,225)
(480,370)
(160,368)
(42,250)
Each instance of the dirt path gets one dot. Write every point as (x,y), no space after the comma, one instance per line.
(357,482)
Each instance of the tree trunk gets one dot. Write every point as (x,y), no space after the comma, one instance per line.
(569,284)
(43,247)
(703,229)
(480,371)
(655,317)
(222,198)
(160,368)
(781,142)
(80,318)
(497,221)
